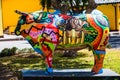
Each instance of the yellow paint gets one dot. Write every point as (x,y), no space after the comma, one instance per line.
(73,36)
(64,38)
(83,37)
(1,26)
(105,35)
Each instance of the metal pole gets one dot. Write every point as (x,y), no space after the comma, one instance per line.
(115,17)
(1,24)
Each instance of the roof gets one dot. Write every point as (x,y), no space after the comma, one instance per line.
(107,1)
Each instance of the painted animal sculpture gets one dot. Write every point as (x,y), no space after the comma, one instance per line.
(44,31)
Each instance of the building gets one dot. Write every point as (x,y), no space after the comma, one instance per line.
(1,23)
(111,8)
(9,18)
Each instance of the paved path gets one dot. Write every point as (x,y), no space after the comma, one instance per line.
(19,44)
(11,38)
(10,41)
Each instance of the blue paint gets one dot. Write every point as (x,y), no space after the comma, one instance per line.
(100,71)
(38,50)
(49,70)
(100,52)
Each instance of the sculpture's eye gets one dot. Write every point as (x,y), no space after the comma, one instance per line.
(29,19)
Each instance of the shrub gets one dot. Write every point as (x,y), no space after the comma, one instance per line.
(30,50)
(25,50)
(8,52)
(109,46)
(5,52)
(13,50)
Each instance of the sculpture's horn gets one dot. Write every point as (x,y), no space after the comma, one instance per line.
(22,13)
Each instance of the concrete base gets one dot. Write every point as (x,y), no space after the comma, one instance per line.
(70,74)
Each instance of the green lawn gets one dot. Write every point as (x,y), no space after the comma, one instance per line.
(83,60)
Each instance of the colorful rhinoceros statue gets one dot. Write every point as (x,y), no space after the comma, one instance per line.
(45,30)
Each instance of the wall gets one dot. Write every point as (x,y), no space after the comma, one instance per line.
(109,10)
(10,18)
(118,16)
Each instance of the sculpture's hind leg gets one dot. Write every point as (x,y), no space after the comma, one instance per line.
(99,55)
(98,61)
(99,52)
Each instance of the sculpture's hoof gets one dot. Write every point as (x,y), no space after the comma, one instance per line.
(98,72)
(49,71)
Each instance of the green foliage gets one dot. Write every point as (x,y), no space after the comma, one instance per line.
(5,52)
(8,52)
(13,50)
(26,50)
(73,5)
(109,46)
(45,3)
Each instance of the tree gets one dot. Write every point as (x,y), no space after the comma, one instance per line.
(46,3)
(91,6)
(73,6)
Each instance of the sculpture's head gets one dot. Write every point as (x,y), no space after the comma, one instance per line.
(25,18)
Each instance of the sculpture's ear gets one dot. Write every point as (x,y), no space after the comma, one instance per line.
(21,13)
(40,16)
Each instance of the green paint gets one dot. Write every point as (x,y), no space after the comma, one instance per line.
(51,45)
(18,32)
(28,38)
(44,16)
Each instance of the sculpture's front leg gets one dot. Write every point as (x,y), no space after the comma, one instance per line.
(48,58)
(48,61)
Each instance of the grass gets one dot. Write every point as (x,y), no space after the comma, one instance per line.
(84,59)
(112,60)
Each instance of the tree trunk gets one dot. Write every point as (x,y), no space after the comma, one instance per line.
(57,6)
(70,53)
(91,6)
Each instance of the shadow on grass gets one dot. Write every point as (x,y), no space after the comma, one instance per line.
(70,63)
(80,61)
(38,63)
